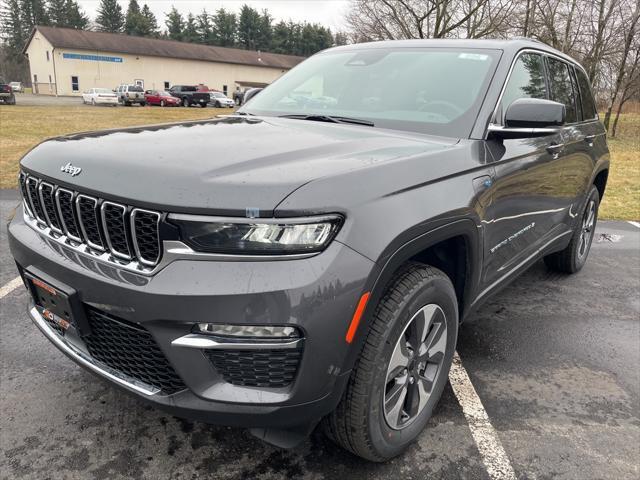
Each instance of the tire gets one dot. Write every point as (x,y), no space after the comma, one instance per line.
(93,102)
(361,423)
(217,104)
(162,104)
(127,104)
(574,256)
(185,102)
(143,104)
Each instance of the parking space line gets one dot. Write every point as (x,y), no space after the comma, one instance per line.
(9,287)
(635,224)
(493,455)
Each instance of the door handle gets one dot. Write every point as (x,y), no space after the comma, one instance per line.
(555,149)
(589,139)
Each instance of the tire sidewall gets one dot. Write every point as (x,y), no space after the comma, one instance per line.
(387,441)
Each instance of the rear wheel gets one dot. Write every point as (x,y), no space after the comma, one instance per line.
(574,256)
(403,366)
(142,104)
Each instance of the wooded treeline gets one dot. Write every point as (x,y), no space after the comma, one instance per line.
(249,29)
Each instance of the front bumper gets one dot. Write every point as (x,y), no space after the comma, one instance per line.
(318,295)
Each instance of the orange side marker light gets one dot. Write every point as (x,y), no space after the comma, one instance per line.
(355,321)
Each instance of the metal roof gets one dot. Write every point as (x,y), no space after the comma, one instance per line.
(120,43)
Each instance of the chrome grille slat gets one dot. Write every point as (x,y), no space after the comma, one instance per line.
(146,235)
(22,179)
(100,228)
(86,208)
(34,199)
(46,192)
(114,225)
(66,210)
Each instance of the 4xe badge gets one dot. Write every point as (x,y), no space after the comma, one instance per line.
(70,169)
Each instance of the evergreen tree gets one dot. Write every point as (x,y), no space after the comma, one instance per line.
(67,13)
(134,21)
(14,33)
(249,28)
(110,17)
(151,28)
(33,12)
(190,32)
(281,41)
(205,28)
(175,24)
(340,38)
(265,32)
(225,26)
(76,17)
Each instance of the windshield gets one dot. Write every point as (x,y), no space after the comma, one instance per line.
(218,95)
(429,90)
(135,88)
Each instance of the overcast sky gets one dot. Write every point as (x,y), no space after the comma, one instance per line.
(329,13)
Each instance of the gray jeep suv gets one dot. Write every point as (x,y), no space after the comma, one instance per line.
(317,269)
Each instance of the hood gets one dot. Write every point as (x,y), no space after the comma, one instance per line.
(221,166)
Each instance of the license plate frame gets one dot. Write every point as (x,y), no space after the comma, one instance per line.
(57,303)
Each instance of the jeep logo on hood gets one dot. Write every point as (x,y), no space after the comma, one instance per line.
(70,169)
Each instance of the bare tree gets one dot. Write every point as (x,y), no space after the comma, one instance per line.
(629,33)
(401,19)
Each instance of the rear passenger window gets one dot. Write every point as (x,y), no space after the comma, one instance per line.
(561,88)
(526,81)
(586,98)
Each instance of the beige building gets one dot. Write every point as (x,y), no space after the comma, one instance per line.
(67,62)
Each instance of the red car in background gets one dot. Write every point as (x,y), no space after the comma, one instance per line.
(162,98)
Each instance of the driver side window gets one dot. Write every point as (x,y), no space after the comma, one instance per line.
(526,81)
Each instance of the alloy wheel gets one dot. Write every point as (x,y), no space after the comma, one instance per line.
(416,363)
(587,229)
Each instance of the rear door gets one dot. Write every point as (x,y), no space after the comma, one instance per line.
(578,135)
(528,202)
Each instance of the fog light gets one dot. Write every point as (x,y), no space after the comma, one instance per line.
(252,331)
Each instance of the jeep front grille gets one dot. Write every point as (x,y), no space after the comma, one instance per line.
(126,233)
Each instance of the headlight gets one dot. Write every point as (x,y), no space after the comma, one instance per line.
(260,236)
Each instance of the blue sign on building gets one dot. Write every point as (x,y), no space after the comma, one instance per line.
(93,58)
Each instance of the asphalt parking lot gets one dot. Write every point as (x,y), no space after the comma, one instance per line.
(553,358)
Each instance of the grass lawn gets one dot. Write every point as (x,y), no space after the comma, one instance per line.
(22,127)
(622,197)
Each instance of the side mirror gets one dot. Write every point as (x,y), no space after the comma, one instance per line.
(249,94)
(530,117)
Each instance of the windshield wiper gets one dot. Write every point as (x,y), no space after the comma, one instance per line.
(331,119)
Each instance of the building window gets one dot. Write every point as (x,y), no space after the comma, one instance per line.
(75,84)
(224,89)
(47,55)
(166,85)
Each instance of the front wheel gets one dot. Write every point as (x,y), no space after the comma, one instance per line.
(574,256)
(403,366)
(185,102)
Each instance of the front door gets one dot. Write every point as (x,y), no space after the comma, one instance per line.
(529,203)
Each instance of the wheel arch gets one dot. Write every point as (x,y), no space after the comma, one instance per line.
(454,248)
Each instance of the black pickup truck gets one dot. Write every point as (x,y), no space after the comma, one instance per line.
(317,271)
(189,95)
(6,93)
